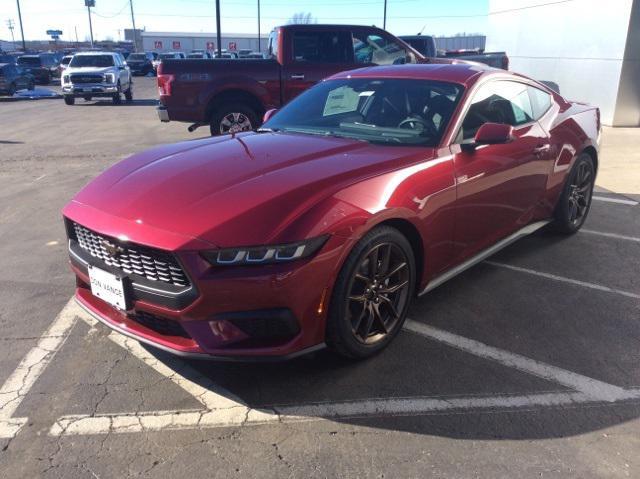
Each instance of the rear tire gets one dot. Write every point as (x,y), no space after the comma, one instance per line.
(575,201)
(372,294)
(233,118)
(69,100)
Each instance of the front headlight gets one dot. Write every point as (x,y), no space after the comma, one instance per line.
(109,78)
(258,255)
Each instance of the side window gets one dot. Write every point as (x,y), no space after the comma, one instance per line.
(540,101)
(273,45)
(322,47)
(379,50)
(497,102)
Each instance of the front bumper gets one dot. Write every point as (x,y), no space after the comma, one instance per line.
(93,89)
(163,114)
(266,312)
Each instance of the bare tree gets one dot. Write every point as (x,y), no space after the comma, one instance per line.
(301,18)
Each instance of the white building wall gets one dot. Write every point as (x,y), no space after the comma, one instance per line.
(578,44)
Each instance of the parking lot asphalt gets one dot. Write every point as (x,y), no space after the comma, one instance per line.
(527,365)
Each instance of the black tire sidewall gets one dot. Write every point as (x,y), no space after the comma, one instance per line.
(69,100)
(561,215)
(338,332)
(220,112)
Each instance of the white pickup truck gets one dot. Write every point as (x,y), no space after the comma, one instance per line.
(96,74)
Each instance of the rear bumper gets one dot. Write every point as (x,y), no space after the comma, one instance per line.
(163,114)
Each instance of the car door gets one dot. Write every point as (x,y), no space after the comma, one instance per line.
(315,54)
(498,186)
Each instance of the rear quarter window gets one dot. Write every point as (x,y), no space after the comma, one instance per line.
(540,101)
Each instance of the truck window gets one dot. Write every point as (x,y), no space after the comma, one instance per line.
(322,47)
(372,48)
(273,45)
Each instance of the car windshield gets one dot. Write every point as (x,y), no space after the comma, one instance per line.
(65,60)
(136,57)
(99,61)
(30,61)
(389,111)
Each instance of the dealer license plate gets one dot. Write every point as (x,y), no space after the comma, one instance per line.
(108,287)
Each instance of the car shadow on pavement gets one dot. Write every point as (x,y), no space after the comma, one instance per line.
(108,102)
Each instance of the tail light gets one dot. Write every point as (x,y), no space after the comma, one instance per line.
(164,82)
(505,62)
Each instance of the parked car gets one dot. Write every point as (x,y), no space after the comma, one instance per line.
(232,95)
(13,78)
(4,58)
(141,63)
(43,66)
(168,56)
(97,74)
(244,52)
(372,187)
(200,55)
(426,44)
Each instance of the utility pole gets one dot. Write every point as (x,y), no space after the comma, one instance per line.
(89,4)
(24,45)
(75,27)
(384,21)
(218,34)
(259,48)
(135,32)
(11,26)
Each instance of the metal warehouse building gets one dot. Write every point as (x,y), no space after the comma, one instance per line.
(185,42)
(589,48)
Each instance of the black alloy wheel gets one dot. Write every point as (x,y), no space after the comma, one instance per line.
(575,201)
(372,294)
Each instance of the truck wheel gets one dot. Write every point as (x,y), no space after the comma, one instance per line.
(69,100)
(12,89)
(129,93)
(116,97)
(31,86)
(233,118)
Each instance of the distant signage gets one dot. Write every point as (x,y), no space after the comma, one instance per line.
(157,44)
(211,45)
(176,45)
(232,46)
(89,3)
(54,32)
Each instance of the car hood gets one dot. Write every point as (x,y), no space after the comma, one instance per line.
(234,191)
(89,70)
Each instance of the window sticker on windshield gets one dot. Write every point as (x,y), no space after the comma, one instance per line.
(341,100)
(366,93)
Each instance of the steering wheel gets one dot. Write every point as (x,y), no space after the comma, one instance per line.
(417,123)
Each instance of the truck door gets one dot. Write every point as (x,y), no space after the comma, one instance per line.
(315,54)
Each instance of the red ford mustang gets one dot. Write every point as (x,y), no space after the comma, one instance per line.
(370,188)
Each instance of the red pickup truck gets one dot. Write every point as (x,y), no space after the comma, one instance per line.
(232,95)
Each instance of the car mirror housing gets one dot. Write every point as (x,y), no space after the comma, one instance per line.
(494,134)
(268,114)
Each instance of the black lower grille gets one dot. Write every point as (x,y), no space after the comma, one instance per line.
(130,258)
(166,327)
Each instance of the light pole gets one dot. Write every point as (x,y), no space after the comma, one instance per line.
(135,33)
(11,27)
(89,4)
(384,21)
(24,45)
(218,34)
(259,48)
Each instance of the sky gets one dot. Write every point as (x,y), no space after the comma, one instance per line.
(111,17)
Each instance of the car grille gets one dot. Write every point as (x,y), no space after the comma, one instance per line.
(130,258)
(86,78)
(166,327)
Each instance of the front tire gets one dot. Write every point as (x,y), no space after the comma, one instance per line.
(575,201)
(128,95)
(372,294)
(69,100)
(116,99)
(12,89)
(233,118)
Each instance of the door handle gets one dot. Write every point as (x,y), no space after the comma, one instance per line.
(297,76)
(540,149)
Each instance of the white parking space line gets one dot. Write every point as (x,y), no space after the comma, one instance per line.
(610,235)
(554,277)
(591,388)
(221,409)
(614,200)
(16,387)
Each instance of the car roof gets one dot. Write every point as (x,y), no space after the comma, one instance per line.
(464,73)
(96,53)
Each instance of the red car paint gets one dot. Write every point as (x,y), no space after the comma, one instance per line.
(274,188)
